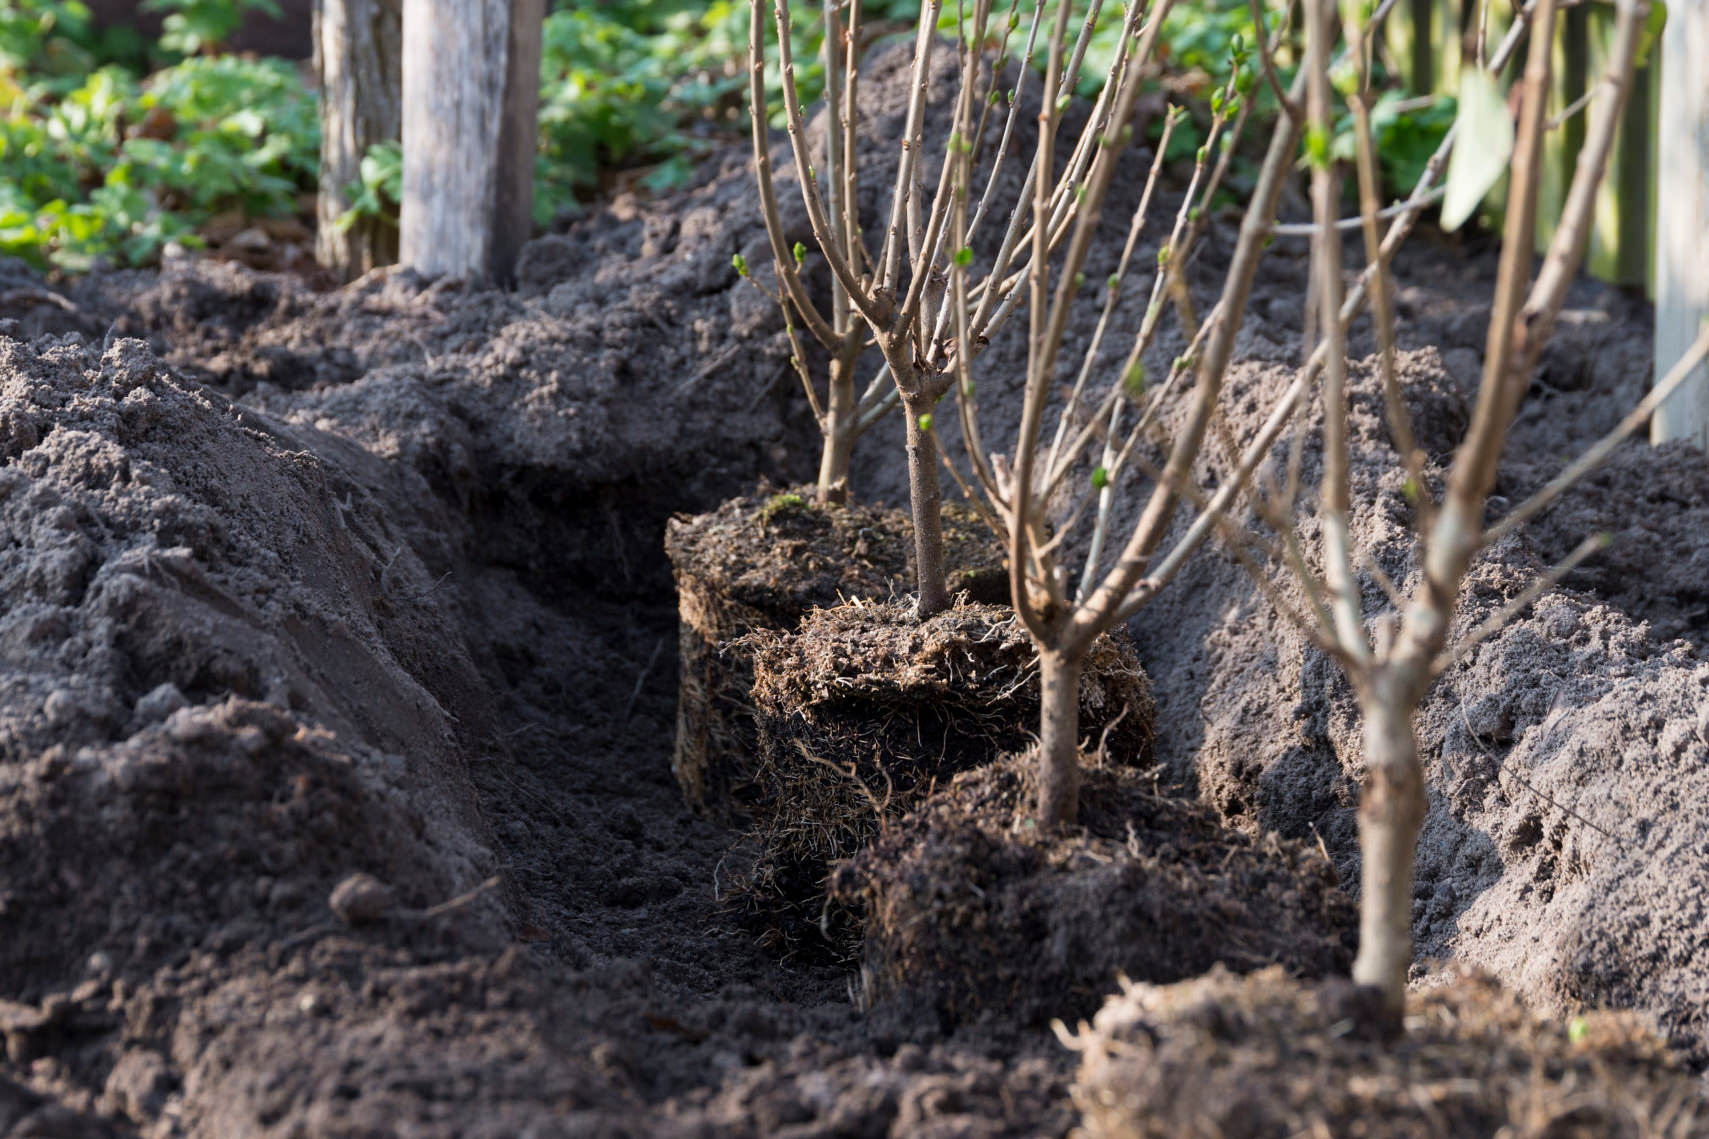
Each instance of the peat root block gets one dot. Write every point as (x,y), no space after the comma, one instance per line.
(864,708)
(1267,1056)
(761,563)
(971,911)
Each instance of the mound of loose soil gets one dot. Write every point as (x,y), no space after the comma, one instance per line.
(865,709)
(972,913)
(1266,1057)
(761,563)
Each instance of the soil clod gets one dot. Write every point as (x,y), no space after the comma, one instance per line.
(762,563)
(866,709)
(1265,1056)
(971,911)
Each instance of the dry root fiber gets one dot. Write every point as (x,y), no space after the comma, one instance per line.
(761,563)
(865,708)
(970,910)
(1225,1057)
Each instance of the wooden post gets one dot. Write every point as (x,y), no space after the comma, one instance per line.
(471,84)
(358,49)
(1682,218)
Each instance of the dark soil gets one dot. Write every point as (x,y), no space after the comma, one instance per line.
(301,586)
(973,914)
(1266,1057)
(865,709)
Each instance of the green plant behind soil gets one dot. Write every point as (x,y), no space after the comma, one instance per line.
(117,166)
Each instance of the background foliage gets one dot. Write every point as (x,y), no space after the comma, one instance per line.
(111,145)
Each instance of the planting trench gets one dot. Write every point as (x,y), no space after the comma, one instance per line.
(372,582)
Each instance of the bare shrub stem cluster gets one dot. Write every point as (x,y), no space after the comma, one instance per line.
(1391,662)
(930,295)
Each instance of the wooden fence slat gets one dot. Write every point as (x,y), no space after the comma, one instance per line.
(1682,217)
(471,86)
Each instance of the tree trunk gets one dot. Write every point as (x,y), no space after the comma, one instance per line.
(840,418)
(1058,740)
(471,86)
(927,502)
(1391,811)
(1682,220)
(358,47)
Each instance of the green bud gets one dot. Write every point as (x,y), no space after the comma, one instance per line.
(995,98)
(1193,214)
(1344,78)
(1577,1029)
(1100,477)
(1134,382)
(1011,96)
(1061,103)
(1014,20)
(1233,108)
(1216,101)
(800,253)
(1245,81)
(1200,156)
(1115,282)
(1317,146)
(1163,255)
(964,256)
(1127,134)
(1079,281)
(926,422)
(740,264)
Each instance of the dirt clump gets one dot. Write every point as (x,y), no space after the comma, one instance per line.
(865,709)
(971,912)
(761,563)
(1268,1056)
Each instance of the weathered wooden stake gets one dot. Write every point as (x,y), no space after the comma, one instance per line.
(1682,219)
(358,47)
(471,86)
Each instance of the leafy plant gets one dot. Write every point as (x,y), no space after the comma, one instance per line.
(192,27)
(118,166)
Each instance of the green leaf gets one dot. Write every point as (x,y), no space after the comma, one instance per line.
(1652,34)
(1100,477)
(1484,145)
